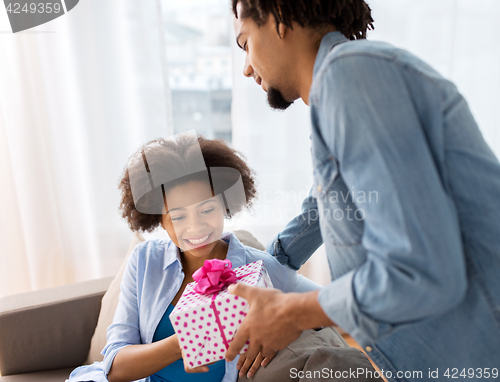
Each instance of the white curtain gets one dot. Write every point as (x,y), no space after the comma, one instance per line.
(457,37)
(78,95)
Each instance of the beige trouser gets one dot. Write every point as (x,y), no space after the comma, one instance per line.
(315,356)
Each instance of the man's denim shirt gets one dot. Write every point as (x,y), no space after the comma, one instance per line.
(408,198)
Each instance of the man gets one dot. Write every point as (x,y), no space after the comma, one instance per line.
(406,189)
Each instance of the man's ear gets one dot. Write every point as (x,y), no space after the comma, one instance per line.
(282,30)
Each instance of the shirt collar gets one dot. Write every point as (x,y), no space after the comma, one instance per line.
(327,43)
(171,254)
(236,252)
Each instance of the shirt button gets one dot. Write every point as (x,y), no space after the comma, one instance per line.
(319,188)
(368,349)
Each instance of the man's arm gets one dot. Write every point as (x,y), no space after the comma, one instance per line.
(414,266)
(300,238)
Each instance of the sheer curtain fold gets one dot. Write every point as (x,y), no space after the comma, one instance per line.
(78,95)
(14,272)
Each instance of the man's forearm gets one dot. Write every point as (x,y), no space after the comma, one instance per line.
(303,311)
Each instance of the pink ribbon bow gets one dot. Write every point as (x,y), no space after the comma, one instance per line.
(213,276)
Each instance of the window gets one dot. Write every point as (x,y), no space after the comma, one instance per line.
(199,58)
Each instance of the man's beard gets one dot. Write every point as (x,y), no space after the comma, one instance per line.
(276,100)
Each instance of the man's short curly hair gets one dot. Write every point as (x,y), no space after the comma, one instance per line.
(175,154)
(350,17)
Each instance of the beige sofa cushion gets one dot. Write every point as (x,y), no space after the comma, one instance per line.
(49,328)
(108,308)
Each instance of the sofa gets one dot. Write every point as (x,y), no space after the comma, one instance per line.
(45,334)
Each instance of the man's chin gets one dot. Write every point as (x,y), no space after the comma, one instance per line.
(276,100)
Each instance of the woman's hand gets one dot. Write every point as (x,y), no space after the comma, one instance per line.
(199,369)
(245,363)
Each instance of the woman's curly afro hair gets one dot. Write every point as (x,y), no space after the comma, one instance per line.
(177,154)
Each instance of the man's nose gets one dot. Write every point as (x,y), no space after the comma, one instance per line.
(247,68)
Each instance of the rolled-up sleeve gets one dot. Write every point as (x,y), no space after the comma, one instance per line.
(125,328)
(301,237)
(415,266)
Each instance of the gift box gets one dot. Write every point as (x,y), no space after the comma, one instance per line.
(207,316)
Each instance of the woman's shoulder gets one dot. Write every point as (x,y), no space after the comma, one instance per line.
(271,263)
(282,277)
(276,271)
(254,254)
(244,245)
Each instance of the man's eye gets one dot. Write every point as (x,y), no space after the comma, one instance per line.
(207,211)
(178,218)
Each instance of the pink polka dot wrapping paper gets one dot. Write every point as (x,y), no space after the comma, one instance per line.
(206,323)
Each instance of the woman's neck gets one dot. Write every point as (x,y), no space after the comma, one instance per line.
(191,263)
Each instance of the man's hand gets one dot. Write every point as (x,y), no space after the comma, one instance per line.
(274,320)
(244,363)
(269,323)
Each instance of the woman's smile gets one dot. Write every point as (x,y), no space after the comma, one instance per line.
(199,241)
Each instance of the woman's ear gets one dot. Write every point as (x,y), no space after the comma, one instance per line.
(161,222)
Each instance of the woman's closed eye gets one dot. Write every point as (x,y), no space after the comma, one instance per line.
(176,218)
(181,217)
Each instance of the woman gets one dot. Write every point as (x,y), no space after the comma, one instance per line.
(188,186)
